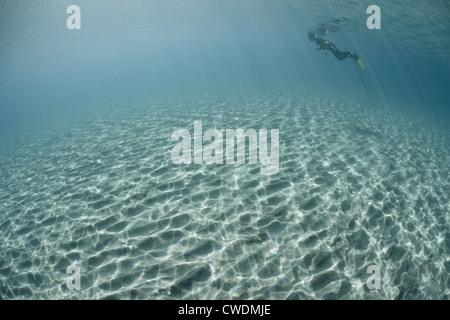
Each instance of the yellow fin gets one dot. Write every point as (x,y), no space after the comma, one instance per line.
(360,63)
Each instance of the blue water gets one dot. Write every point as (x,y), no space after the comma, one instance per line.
(87,178)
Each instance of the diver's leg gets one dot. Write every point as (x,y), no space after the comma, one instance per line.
(340,55)
(351,55)
(335,51)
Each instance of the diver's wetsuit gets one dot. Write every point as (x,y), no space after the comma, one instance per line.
(326,45)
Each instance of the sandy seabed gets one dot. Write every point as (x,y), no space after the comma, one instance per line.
(357,186)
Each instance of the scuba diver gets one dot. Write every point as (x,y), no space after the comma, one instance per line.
(326,45)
